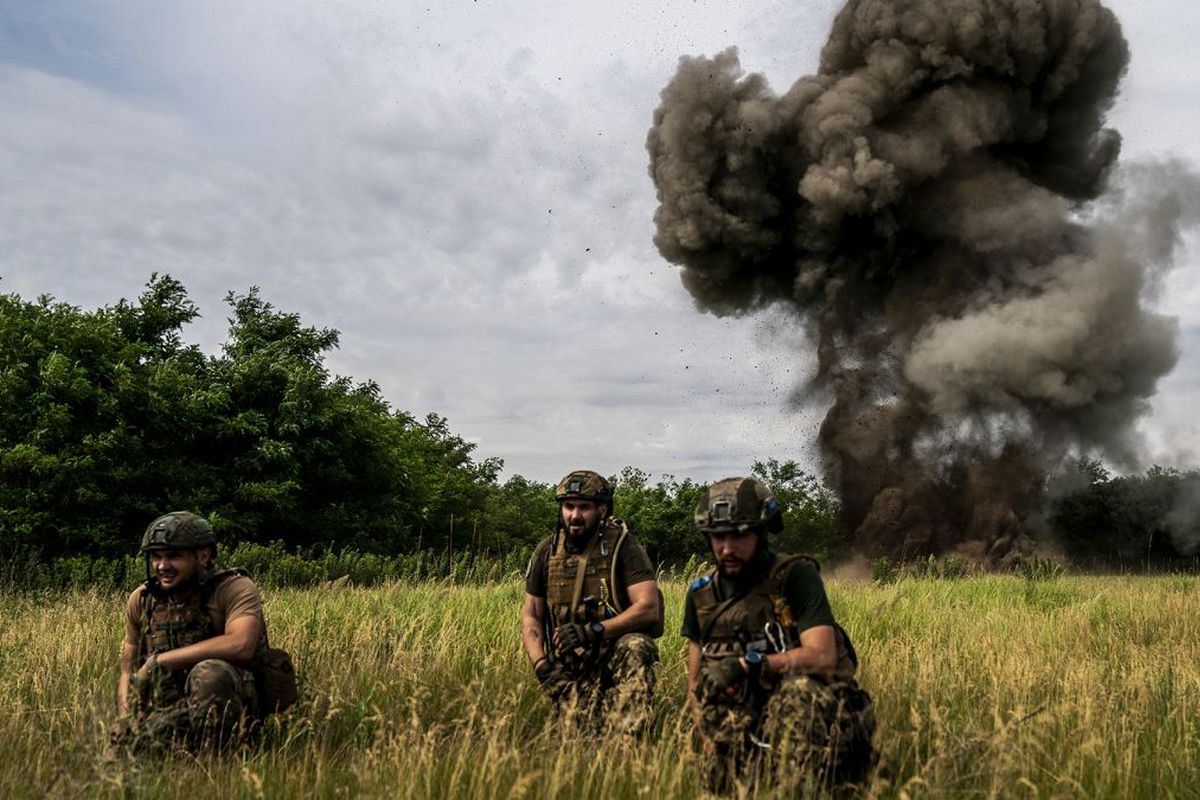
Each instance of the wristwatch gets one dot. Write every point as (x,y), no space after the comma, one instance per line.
(754,660)
(598,630)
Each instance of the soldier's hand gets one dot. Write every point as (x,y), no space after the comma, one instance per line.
(573,635)
(141,680)
(147,668)
(554,682)
(119,731)
(719,675)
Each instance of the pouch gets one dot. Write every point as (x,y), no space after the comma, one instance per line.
(656,630)
(276,678)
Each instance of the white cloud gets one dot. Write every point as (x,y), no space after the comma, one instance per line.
(461,189)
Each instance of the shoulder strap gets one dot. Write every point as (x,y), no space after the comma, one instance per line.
(612,572)
(580,570)
(778,571)
(785,560)
(216,579)
(780,568)
(146,601)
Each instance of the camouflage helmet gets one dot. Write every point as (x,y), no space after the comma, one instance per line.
(583,484)
(180,530)
(738,504)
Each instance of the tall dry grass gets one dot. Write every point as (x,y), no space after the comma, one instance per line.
(985,687)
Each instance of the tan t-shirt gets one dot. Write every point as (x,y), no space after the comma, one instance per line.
(235,597)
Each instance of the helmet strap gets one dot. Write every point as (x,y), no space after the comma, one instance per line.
(205,573)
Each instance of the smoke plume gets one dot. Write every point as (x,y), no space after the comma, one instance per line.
(1183,521)
(925,203)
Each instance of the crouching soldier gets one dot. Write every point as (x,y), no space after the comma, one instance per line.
(770,673)
(196,669)
(592,611)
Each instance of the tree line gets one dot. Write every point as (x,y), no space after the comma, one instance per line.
(109,418)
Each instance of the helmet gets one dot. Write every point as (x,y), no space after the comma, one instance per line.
(181,530)
(738,504)
(583,484)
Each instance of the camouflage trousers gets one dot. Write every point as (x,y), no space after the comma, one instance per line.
(806,730)
(617,693)
(213,706)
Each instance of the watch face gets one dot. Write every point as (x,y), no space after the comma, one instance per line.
(753,657)
(597,628)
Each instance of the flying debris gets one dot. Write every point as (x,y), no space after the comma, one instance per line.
(925,203)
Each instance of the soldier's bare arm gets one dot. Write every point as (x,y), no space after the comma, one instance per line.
(816,655)
(533,614)
(128,659)
(642,612)
(237,644)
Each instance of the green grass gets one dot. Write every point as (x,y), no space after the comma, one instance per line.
(984,687)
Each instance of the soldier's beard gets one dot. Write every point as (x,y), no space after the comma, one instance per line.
(745,568)
(584,534)
(736,570)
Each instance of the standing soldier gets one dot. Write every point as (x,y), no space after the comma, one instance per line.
(770,673)
(592,610)
(195,642)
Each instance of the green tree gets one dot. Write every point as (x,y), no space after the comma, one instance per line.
(446,483)
(518,514)
(1131,520)
(660,514)
(809,510)
(77,395)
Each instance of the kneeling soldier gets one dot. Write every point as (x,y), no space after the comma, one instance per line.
(770,673)
(194,640)
(592,610)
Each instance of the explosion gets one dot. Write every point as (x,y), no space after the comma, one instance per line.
(924,202)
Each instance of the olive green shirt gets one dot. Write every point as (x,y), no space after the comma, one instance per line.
(633,565)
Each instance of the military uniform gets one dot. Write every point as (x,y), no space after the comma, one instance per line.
(795,725)
(587,582)
(204,705)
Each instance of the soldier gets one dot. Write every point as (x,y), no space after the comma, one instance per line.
(770,673)
(193,633)
(592,610)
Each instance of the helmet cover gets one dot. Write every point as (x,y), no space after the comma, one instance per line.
(178,530)
(738,504)
(583,484)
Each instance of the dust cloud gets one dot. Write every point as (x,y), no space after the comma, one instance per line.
(941,204)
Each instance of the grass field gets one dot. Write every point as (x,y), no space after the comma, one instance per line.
(984,687)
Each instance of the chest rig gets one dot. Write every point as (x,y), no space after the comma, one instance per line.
(758,618)
(584,587)
(167,625)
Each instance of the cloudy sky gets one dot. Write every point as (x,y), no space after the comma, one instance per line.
(461,189)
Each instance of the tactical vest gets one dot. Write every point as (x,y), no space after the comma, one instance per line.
(167,625)
(584,587)
(758,619)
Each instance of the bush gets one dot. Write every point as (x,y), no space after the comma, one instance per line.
(1038,568)
(884,571)
(270,565)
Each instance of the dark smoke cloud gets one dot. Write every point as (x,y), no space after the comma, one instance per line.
(923,202)
(1183,521)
